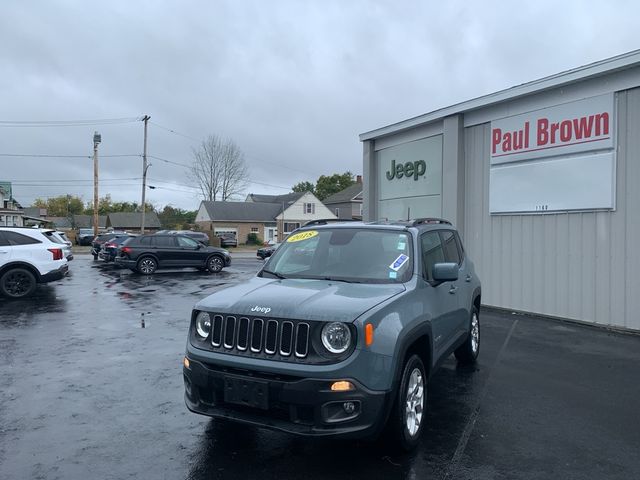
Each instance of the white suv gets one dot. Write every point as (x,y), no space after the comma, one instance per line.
(29,256)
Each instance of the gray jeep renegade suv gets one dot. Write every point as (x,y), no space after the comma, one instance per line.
(339,332)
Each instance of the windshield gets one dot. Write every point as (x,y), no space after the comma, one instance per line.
(344,254)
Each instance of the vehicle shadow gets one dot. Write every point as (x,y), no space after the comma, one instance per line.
(20,311)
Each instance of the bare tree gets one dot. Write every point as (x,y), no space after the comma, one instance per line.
(219,169)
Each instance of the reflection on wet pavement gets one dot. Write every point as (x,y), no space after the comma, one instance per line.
(91,387)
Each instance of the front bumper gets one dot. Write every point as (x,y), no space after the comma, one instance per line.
(302,406)
(54,275)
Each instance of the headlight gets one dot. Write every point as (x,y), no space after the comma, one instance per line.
(336,337)
(203,324)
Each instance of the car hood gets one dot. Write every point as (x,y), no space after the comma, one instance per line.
(302,299)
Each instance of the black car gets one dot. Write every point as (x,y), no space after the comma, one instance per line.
(267,251)
(109,248)
(96,245)
(147,253)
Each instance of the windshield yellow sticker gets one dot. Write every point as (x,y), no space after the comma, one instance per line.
(298,237)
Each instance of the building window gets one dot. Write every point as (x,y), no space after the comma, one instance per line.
(337,212)
(310,208)
(254,229)
(291,226)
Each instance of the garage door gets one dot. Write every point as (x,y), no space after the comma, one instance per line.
(233,231)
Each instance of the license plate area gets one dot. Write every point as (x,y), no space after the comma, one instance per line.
(250,393)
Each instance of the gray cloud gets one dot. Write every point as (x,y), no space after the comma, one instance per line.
(292,82)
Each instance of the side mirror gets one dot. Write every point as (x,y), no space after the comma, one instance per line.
(445,272)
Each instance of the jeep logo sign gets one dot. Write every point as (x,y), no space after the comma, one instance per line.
(264,310)
(410,169)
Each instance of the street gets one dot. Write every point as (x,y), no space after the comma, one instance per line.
(91,387)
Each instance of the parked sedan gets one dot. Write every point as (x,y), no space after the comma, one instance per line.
(147,253)
(109,249)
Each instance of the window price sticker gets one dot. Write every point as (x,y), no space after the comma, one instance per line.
(399,262)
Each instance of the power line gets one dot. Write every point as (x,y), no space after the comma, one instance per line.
(47,155)
(170,161)
(84,180)
(175,132)
(67,123)
(250,157)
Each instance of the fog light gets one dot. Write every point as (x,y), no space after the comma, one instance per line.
(342,386)
(186,362)
(349,407)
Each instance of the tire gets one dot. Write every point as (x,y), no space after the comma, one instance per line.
(17,283)
(407,418)
(215,264)
(147,265)
(467,353)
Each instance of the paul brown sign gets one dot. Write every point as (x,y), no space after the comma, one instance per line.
(578,126)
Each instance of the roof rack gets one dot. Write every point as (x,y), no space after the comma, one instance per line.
(422,221)
(324,221)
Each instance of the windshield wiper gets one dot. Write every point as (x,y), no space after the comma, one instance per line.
(331,279)
(275,274)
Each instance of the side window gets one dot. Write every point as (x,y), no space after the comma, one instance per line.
(3,241)
(432,252)
(18,239)
(145,241)
(187,242)
(164,241)
(451,253)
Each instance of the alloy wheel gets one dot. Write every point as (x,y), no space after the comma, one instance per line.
(475,333)
(415,402)
(17,284)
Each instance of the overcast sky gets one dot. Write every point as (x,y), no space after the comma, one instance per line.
(293,83)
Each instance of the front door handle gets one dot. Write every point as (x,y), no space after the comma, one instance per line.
(468,278)
(453,289)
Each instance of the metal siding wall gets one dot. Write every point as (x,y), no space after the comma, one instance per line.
(580,265)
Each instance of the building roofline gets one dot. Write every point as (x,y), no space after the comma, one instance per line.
(595,69)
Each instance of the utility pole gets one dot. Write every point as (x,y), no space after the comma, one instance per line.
(144,170)
(97,138)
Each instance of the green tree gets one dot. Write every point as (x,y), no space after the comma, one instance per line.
(106,205)
(304,187)
(60,206)
(176,218)
(326,185)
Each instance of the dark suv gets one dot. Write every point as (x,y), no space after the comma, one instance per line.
(147,253)
(339,332)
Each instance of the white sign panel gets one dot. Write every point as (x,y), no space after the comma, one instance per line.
(570,183)
(580,126)
(554,159)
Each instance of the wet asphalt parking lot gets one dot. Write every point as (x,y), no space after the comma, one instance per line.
(91,387)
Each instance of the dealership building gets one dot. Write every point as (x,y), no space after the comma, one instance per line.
(543,182)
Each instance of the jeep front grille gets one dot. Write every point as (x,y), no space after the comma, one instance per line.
(258,336)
